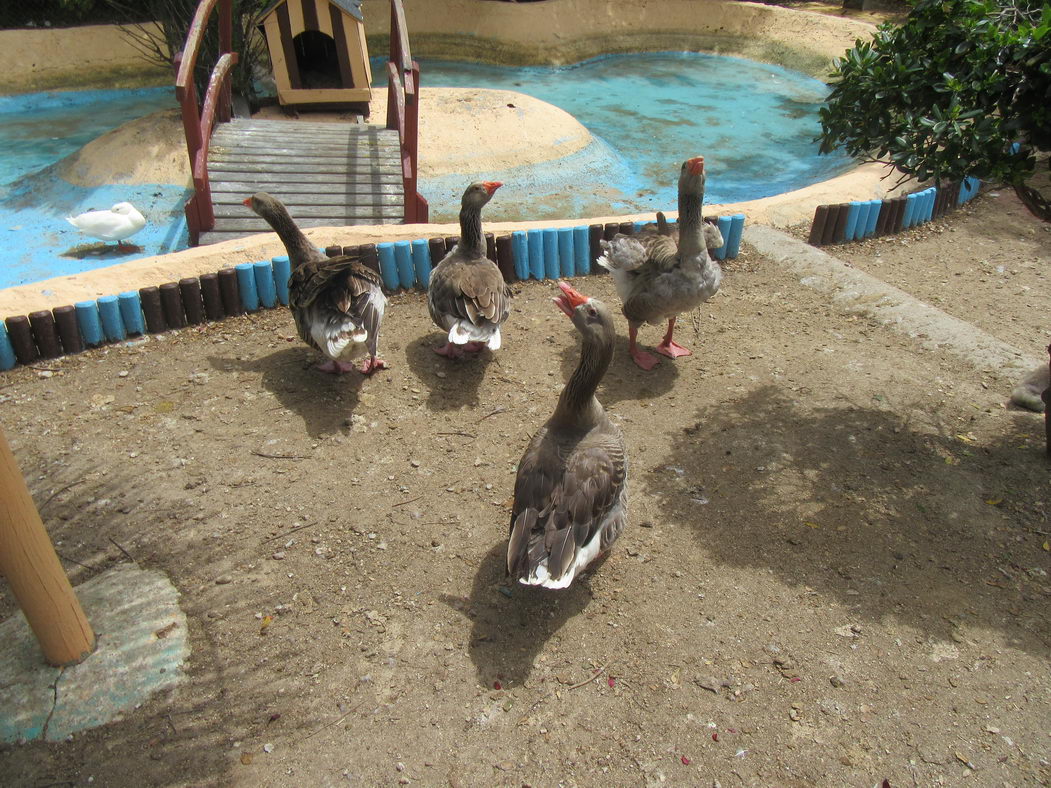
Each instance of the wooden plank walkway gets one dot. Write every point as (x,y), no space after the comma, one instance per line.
(328,174)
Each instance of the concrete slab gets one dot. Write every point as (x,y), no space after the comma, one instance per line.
(855,291)
(142,646)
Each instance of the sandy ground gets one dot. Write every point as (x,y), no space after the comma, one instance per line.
(835,571)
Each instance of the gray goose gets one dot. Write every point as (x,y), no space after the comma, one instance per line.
(661,273)
(467,296)
(336,302)
(571,498)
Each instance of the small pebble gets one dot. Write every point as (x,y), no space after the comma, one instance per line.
(279,555)
(222,580)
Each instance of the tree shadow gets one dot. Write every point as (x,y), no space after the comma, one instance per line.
(462,377)
(322,400)
(508,632)
(890,518)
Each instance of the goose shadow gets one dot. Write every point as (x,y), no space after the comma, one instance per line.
(322,400)
(463,376)
(511,623)
(623,380)
(100,251)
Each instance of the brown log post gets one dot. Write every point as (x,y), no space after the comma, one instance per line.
(32,569)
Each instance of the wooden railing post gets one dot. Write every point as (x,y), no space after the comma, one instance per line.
(29,562)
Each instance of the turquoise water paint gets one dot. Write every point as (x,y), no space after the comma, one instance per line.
(754,123)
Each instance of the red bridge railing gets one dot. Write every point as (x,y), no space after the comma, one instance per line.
(198,123)
(403,110)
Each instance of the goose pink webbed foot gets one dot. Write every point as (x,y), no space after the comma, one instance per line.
(371,365)
(670,347)
(642,359)
(335,367)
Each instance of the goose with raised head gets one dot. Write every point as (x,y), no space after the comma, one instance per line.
(336,302)
(467,296)
(663,272)
(571,499)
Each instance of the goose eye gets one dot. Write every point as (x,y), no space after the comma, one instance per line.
(592,312)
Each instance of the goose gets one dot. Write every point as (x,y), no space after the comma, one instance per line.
(661,273)
(570,500)
(121,221)
(466,295)
(336,302)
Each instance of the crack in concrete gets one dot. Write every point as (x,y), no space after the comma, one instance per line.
(54,704)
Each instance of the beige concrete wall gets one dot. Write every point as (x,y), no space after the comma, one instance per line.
(562,31)
(91,56)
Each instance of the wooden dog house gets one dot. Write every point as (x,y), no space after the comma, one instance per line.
(318,52)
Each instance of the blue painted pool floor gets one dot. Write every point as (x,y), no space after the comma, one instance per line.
(37,130)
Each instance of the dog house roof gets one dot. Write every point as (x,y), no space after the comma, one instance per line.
(351,7)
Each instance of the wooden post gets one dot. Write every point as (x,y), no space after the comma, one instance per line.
(28,561)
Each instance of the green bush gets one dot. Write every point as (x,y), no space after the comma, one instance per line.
(949,92)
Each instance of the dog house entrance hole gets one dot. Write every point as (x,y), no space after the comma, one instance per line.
(317,61)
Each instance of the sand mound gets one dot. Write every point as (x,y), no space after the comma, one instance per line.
(150,149)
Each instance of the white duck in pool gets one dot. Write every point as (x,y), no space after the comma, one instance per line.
(121,221)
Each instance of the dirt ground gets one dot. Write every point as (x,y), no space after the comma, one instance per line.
(836,569)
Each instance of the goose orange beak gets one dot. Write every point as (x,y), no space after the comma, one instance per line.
(695,166)
(491,186)
(569,300)
(247,202)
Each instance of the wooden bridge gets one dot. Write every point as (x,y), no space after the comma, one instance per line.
(327,173)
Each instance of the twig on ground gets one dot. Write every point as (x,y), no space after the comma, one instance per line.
(121,548)
(402,503)
(591,678)
(499,409)
(56,493)
(71,560)
(280,456)
(462,434)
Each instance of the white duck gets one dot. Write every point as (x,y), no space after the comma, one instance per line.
(571,497)
(467,296)
(121,221)
(661,273)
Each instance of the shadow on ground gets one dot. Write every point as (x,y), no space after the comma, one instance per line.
(890,519)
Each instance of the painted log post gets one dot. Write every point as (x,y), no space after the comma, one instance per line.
(131,312)
(152,310)
(451,241)
(171,305)
(7,351)
(369,256)
(436,247)
(535,245)
(388,266)
(245,273)
(490,246)
(581,251)
(32,569)
(89,322)
(228,289)
(43,325)
(333,251)
(21,335)
(403,259)
(594,247)
(626,228)
(421,262)
(212,297)
(817,228)
(550,236)
(566,254)
(829,233)
(68,332)
(265,285)
(520,249)
(505,257)
(190,288)
(609,229)
(113,327)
